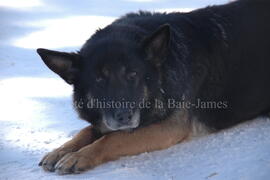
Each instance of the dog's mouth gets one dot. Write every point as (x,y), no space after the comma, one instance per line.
(125,124)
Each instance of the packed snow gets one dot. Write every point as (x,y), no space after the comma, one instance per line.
(36,113)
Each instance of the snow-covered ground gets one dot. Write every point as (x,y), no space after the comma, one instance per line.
(36,115)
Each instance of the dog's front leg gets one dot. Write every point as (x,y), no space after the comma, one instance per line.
(112,146)
(84,137)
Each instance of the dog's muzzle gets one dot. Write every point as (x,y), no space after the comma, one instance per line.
(122,119)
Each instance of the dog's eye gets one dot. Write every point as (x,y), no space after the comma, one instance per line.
(131,76)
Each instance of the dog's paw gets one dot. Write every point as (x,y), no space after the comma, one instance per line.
(48,161)
(75,162)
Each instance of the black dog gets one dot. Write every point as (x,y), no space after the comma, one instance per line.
(149,81)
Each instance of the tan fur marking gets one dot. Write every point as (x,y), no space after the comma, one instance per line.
(114,145)
(83,138)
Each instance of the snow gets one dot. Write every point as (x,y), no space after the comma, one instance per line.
(36,113)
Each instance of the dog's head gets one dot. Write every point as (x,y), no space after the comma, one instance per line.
(112,77)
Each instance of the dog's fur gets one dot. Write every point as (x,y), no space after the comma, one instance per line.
(216,57)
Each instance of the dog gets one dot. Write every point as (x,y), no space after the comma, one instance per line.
(151,80)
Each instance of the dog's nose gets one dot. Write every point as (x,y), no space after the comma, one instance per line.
(123,115)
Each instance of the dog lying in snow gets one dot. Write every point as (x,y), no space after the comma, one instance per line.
(178,75)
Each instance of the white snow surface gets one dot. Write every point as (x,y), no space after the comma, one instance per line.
(36,113)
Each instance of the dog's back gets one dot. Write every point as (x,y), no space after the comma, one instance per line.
(239,63)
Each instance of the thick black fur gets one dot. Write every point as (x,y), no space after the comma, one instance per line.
(215,54)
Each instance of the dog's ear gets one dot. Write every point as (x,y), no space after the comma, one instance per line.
(66,65)
(156,45)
